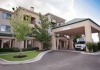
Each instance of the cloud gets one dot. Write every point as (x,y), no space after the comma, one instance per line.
(62,8)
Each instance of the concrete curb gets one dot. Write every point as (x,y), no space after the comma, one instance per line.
(88,53)
(82,52)
(5,62)
(96,53)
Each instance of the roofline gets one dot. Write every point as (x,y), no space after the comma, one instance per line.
(78,22)
(26,10)
(55,16)
(94,22)
(6,10)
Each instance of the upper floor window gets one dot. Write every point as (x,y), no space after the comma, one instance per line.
(54,24)
(33,20)
(5,15)
(26,17)
(39,21)
(5,28)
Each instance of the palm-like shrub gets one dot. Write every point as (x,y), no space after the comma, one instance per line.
(89,46)
(98,46)
(92,47)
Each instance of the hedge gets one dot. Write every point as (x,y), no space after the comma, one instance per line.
(17,49)
(93,47)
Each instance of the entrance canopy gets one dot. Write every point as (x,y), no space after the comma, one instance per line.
(77,27)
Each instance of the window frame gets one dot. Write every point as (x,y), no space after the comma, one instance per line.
(5,29)
(7,15)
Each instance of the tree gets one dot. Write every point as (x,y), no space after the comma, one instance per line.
(76,37)
(41,33)
(20,27)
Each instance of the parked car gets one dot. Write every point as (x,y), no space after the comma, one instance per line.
(80,45)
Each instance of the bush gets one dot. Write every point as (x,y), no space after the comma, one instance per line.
(46,46)
(98,44)
(17,49)
(89,46)
(92,47)
(30,49)
(9,50)
(20,56)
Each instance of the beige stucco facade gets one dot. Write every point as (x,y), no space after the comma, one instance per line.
(9,41)
(86,27)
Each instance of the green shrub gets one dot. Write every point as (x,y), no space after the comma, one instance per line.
(98,44)
(9,50)
(30,49)
(17,49)
(46,46)
(89,46)
(92,47)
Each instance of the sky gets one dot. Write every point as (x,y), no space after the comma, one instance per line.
(67,9)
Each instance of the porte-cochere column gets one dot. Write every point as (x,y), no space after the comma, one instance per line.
(53,42)
(99,36)
(88,34)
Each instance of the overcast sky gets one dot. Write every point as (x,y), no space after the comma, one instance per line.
(67,9)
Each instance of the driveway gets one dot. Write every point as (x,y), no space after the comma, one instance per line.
(60,60)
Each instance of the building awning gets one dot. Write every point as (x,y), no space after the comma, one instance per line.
(74,21)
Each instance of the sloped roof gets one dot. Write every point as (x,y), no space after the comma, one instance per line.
(26,10)
(76,20)
(55,16)
(6,10)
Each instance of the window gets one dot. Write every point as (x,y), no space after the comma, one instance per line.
(5,15)
(5,28)
(54,24)
(39,21)
(81,42)
(33,21)
(26,17)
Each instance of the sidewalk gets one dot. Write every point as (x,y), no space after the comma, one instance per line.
(4,62)
(83,52)
(91,53)
(88,53)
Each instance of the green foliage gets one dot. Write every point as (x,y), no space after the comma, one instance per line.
(76,37)
(30,49)
(41,33)
(9,50)
(95,47)
(44,21)
(98,44)
(17,49)
(46,45)
(20,27)
(92,47)
(29,54)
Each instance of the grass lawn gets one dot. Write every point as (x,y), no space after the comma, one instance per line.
(6,52)
(30,55)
